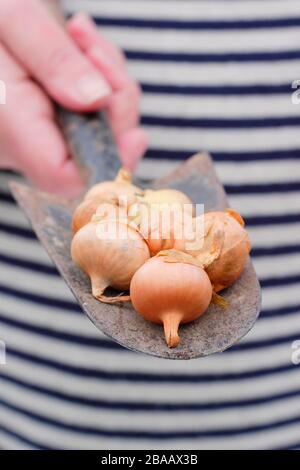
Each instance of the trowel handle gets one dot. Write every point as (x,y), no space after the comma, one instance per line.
(88,136)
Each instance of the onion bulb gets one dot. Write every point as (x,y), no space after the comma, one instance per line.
(236,216)
(160,228)
(161,217)
(120,189)
(229,265)
(222,247)
(110,253)
(119,193)
(170,197)
(171,289)
(84,212)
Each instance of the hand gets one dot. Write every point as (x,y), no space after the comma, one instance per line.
(78,68)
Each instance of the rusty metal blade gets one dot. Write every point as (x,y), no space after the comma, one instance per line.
(214,332)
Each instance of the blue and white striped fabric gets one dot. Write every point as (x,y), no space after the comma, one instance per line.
(216,75)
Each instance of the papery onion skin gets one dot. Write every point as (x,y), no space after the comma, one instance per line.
(159,215)
(160,225)
(161,233)
(170,294)
(168,196)
(121,187)
(224,271)
(236,216)
(120,193)
(228,267)
(117,191)
(108,260)
(157,240)
(85,211)
(225,248)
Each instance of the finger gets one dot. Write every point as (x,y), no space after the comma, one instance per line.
(101,53)
(123,108)
(132,145)
(10,71)
(51,56)
(86,34)
(124,103)
(44,159)
(29,138)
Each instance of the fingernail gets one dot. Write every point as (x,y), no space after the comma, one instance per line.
(92,88)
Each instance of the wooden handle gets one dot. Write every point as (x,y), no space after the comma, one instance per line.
(88,136)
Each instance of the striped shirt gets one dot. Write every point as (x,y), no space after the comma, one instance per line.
(216,75)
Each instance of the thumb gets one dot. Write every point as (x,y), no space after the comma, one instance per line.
(45,161)
(38,150)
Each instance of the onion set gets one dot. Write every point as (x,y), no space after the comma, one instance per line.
(170,289)
(121,187)
(109,252)
(120,193)
(162,216)
(222,247)
(150,243)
